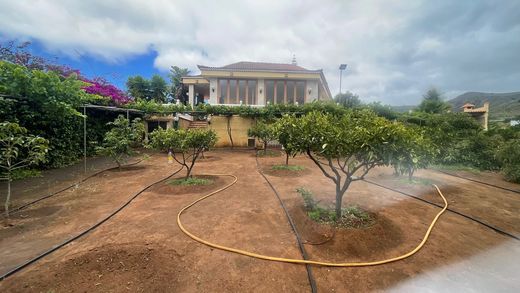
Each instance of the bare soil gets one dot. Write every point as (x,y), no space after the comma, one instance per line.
(142,249)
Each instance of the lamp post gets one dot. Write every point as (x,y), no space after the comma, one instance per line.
(341,68)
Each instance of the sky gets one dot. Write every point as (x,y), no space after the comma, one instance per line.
(395,50)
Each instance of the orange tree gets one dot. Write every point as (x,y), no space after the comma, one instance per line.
(18,150)
(186,145)
(346,147)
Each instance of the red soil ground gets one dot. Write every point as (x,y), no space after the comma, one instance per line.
(142,249)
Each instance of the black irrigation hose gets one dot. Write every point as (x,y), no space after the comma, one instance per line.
(477,181)
(18,209)
(453,211)
(83,233)
(312,281)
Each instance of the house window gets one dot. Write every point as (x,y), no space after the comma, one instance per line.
(242,91)
(280,92)
(290,92)
(251,92)
(285,91)
(223,85)
(300,92)
(232,91)
(269,91)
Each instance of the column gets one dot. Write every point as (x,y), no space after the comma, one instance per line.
(191,94)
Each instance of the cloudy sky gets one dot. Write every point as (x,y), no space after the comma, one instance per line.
(395,50)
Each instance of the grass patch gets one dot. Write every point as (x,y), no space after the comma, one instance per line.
(190,181)
(415,181)
(288,167)
(456,168)
(351,217)
(268,153)
(23,174)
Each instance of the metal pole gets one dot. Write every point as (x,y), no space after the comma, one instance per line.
(85,139)
(340,75)
(127,115)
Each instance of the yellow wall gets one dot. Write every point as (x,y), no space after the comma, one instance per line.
(239,127)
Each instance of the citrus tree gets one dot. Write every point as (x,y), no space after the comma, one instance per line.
(18,150)
(186,145)
(287,133)
(263,132)
(119,141)
(346,147)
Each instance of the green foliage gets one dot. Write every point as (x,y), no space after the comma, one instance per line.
(510,158)
(18,150)
(385,111)
(287,133)
(433,103)
(46,104)
(263,132)
(176,74)
(416,151)
(189,143)
(348,100)
(138,87)
(158,88)
(288,167)
(25,173)
(268,153)
(308,199)
(190,181)
(118,142)
(347,147)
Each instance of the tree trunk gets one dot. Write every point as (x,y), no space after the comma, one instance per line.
(339,199)
(286,159)
(188,174)
(118,166)
(410,174)
(265,148)
(8,198)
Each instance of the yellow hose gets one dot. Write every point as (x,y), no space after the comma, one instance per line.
(300,261)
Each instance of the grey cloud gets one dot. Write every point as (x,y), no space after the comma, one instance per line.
(395,49)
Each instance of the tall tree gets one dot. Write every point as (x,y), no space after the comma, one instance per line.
(18,150)
(176,74)
(139,87)
(348,100)
(433,103)
(158,88)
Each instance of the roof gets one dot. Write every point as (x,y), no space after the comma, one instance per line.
(467,105)
(477,110)
(260,66)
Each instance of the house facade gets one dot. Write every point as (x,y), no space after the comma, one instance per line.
(256,84)
(480,114)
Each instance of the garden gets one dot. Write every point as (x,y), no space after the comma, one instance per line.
(333,197)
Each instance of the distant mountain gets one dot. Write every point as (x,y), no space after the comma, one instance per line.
(503,105)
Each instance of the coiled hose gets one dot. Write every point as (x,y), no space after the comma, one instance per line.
(300,261)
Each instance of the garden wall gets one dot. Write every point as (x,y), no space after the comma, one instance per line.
(239,127)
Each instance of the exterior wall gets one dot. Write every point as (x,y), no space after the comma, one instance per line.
(184,124)
(239,127)
(312,85)
(213,93)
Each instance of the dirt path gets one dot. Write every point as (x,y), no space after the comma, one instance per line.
(142,249)
(145,238)
(460,255)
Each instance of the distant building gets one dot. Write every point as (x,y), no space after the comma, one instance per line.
(514,122)
(256,84)
(480,114)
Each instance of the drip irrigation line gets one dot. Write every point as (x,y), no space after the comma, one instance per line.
(305,256)
(18,209)
(453,211)
(84,232)
(478,181)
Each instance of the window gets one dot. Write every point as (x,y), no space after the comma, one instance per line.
(223,91)
(242,91)
(233,99)
(290,92)
(300,92)
(232,91)
(251,97)
(269,91)
(280,92)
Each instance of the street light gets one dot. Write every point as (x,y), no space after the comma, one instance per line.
(341,68)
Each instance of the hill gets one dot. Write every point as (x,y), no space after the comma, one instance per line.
(501,105)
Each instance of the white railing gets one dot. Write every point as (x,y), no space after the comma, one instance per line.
(238,105)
